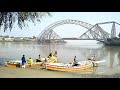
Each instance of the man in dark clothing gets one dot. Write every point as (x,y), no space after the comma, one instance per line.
(39,59)
(23,61)
(75,62)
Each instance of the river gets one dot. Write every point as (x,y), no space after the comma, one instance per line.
(82,49)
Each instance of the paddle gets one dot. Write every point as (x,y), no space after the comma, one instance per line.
(92,61)
(100,61)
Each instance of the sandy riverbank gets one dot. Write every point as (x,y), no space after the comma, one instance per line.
(6,72)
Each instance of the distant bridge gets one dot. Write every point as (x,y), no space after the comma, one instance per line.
(94,32)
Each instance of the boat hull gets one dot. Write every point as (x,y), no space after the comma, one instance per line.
(70,68)
(37,65)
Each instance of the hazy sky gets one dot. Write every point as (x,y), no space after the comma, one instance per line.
(67,30)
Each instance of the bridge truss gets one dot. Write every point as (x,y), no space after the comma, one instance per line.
(94,32)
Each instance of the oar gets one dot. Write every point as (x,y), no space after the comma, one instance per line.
(100,61)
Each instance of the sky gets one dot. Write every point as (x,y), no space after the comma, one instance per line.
(66,30)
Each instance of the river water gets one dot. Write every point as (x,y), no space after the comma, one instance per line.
(82,49)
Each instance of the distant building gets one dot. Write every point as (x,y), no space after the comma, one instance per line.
(9,39)
(19,38)
(29,39)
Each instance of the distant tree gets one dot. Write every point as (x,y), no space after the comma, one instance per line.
(119,35)
(34,37)
(7,36)
(7,19)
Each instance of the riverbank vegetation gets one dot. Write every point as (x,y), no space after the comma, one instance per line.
(113,41)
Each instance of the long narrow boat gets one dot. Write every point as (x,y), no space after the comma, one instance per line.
(17,64)
(83,66)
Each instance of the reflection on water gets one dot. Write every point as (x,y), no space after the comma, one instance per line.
(119,57)
(66,52)
(114,55)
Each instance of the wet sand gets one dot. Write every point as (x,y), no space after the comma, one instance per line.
(6,72)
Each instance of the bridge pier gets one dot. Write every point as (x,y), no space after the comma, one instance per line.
(113,31)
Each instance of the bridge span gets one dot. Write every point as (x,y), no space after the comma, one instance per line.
(94,32)
(74,39)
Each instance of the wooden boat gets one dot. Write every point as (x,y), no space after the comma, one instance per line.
(82,66)
(18,64)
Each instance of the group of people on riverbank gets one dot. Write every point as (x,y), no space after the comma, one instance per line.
(52,58)
(92,59)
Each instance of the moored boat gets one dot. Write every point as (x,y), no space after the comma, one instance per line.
(18,64)
(82,66)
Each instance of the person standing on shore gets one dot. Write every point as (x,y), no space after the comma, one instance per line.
(23,61)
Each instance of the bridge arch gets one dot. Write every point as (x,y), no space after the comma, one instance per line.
(48,32)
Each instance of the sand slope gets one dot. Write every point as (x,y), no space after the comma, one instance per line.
(6,72)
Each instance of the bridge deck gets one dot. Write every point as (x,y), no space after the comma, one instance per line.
(74,39)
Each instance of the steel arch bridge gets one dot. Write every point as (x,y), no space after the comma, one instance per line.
(94,32)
